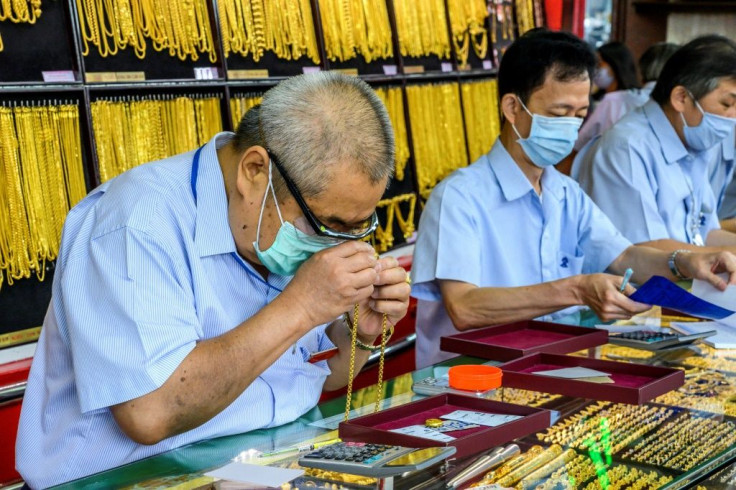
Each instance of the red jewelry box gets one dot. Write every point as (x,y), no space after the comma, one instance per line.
(514,340)
(633,383)
(376,428)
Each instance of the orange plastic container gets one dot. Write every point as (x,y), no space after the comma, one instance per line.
(474,377)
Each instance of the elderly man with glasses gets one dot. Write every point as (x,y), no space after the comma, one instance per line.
(191,293)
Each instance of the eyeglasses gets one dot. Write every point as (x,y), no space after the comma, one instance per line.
(320,228)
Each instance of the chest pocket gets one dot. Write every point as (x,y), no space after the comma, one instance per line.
(569,264)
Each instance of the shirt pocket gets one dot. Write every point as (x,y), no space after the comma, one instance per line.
(569,264)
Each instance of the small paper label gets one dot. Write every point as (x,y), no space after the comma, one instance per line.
(241,74)
(414,69)
(480,418)
(310,69)
(464,67)
(205,73)
(572,373)
(348,71)
(390,70)
(487,65)
(58,76)
(424,433)
(115,76)
(446,67)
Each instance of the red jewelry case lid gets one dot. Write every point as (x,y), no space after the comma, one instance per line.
(376,428)
(514,340)
(632,383)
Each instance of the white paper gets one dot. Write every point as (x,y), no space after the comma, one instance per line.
(706,291)
(572,373)
(480,418)
(724,339)
(257,475)
(424,432)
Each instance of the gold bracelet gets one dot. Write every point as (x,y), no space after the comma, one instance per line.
(358,343)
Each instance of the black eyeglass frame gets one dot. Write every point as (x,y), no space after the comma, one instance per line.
(319,227)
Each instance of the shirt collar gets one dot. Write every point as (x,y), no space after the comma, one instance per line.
(672,147)
(514,184)
(212,235)
(728,148)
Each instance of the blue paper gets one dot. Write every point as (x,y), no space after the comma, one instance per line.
(662,292)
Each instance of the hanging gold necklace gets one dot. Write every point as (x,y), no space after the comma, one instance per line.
(385,335)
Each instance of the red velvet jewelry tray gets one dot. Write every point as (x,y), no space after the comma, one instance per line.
(514,340)
(376,428)
(632,383)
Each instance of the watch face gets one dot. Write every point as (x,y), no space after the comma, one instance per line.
(416,457)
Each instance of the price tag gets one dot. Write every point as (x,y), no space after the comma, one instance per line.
(446,67)
(205,72)
(58,76)
(424,433)
(487,65)
(310,69)
(241,74)
(390,70)
(480,418)
(414,69)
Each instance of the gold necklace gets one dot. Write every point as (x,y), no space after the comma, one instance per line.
(19,12)
(351,370)
(480,107)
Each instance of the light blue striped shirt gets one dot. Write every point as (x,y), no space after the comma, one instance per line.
(145,271)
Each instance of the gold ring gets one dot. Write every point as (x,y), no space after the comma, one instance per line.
(433,423)
(408,279)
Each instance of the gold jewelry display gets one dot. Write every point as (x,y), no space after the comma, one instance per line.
(241,104)
(524,16)
(353,27)
(482,122)
(19,12)
(183,27)
(283,27)
(139,130)
(438,133)
(42,178)
(393,99)
(422,28)
(383,237)
(467,19)
(385,335)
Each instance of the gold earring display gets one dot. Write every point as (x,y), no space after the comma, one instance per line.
(42,178)
(439,148)
(422,28)
(467,18)
(19,12)
(283,27)
(129,133)
(480,107)
(182,28)
(353,27)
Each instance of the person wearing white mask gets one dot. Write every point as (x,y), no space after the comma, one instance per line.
(191,293)
(510,238)
(650,172)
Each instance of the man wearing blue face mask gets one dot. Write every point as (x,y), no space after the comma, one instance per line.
(660,172)
(510,238)
(190,293)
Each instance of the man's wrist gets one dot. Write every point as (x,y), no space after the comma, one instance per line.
(363,342)
(676,270)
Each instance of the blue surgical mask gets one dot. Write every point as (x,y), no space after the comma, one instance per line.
(603,78)
(550,139)
(292,247)
(712,129)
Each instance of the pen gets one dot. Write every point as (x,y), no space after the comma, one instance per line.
(494,458)
(301,449)
(627,276)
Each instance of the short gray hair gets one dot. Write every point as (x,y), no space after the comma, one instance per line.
(312,122)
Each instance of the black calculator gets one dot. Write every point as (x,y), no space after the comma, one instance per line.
(651,340)
(375,460)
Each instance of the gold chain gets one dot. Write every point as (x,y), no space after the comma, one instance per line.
(393,99)
(41,171)
(467,19)
(422,28)
(240,105)
(353,27)
(19,11)
(351,369)
(524,15)
(480,107)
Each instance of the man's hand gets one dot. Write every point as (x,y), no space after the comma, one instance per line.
(601,293)
(332,281)
(390,296)
(705,266)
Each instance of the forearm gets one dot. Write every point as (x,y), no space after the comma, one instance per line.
(212,376)
(480,307)
(714,244)
(721,240)
(645,261)
(339,364)
(729,225)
